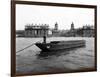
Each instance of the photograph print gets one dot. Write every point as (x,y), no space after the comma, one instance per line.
(54,38)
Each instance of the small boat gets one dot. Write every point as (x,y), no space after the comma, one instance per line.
(60,45)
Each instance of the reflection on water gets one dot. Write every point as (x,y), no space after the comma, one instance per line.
(33,60)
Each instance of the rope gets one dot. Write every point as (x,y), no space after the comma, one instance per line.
(26,47)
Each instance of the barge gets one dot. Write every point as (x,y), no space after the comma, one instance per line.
(60,45)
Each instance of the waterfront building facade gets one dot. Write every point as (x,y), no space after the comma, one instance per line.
(43,29)
(36,30)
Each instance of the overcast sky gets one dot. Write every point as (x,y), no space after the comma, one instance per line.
(64,16)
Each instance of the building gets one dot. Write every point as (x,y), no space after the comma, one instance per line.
(88,31)
(55,31)
(85,31)
(36,30)
(33,31)
(72,26)
(72,31)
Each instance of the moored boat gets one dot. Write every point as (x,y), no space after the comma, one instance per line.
(60,45)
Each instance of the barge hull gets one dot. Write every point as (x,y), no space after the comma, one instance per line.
(60,45)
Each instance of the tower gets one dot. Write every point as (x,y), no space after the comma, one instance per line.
(72,26)
(56,26)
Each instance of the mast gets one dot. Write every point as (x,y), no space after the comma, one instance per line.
(45,32)
(44,36)
(44,39)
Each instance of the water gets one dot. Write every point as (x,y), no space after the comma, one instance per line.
(31,61)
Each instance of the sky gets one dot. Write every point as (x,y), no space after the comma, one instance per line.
(64,16)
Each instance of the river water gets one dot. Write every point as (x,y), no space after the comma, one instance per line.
(31,60)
